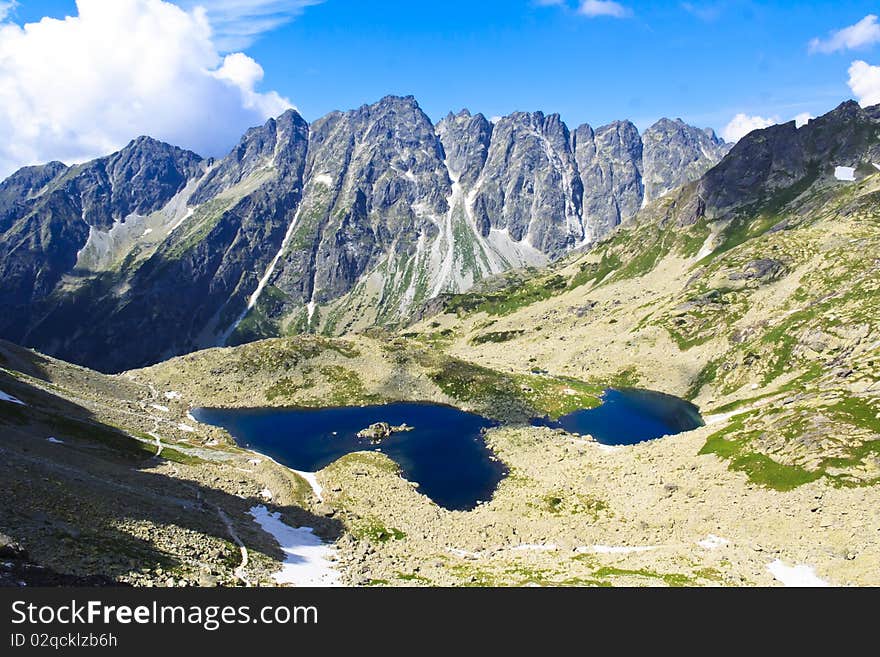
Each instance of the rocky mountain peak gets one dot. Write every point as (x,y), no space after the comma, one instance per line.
(465,138)
(676,153)
(277,144)
(783,159)
(342,224)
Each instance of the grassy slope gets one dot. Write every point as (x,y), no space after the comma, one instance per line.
(777,319)
(313,371)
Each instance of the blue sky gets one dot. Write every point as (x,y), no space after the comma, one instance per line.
(703,62)
(497,56)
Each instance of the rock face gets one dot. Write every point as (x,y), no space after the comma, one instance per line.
(344,224)
(49,214)
(529,185)
(676,153)
(610,162)
(784,160)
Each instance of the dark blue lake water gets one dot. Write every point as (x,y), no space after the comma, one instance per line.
(629,416)
(445,452)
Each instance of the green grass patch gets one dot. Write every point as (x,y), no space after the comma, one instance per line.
(374,531)
(731,444)
(670,579)
(509,299)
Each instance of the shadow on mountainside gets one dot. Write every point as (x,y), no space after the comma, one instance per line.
(89,503)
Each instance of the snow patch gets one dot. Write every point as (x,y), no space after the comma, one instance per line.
(266,494)
(324,179)
(707,248)
(847,174)
(172,395)
(189,213)
(54,440)
(147,232)
(799,575)
(712,542)
(537,547)
(312,480)
(10,398)
(307,558)
(186,428)
(722,417)
(515,253)
(159,407)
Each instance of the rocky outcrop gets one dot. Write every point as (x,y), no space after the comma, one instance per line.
(676,153)
(378,431)
(376,179)
(610,163)
(782,161)
(529,186)
(465,139)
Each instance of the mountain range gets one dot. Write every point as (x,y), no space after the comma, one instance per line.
(352,221)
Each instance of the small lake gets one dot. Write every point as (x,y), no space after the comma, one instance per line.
(630,416)
(444,452)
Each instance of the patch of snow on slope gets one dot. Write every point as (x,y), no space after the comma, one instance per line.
(313,483)
(707,248)
(799,575)
(186,428)
(446,239)
(179,222)
(307,558)
(847,174)
(54,440)
(10,398)
(324,179)
(537,547)
(712,542)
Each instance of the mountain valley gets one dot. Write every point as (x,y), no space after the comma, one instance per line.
(514,269)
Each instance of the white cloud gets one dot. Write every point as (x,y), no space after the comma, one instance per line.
(603,8)
(802,119)
(238,23)
(81,87)
(6,7)
(742,124)
(864,80)
(864,33)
